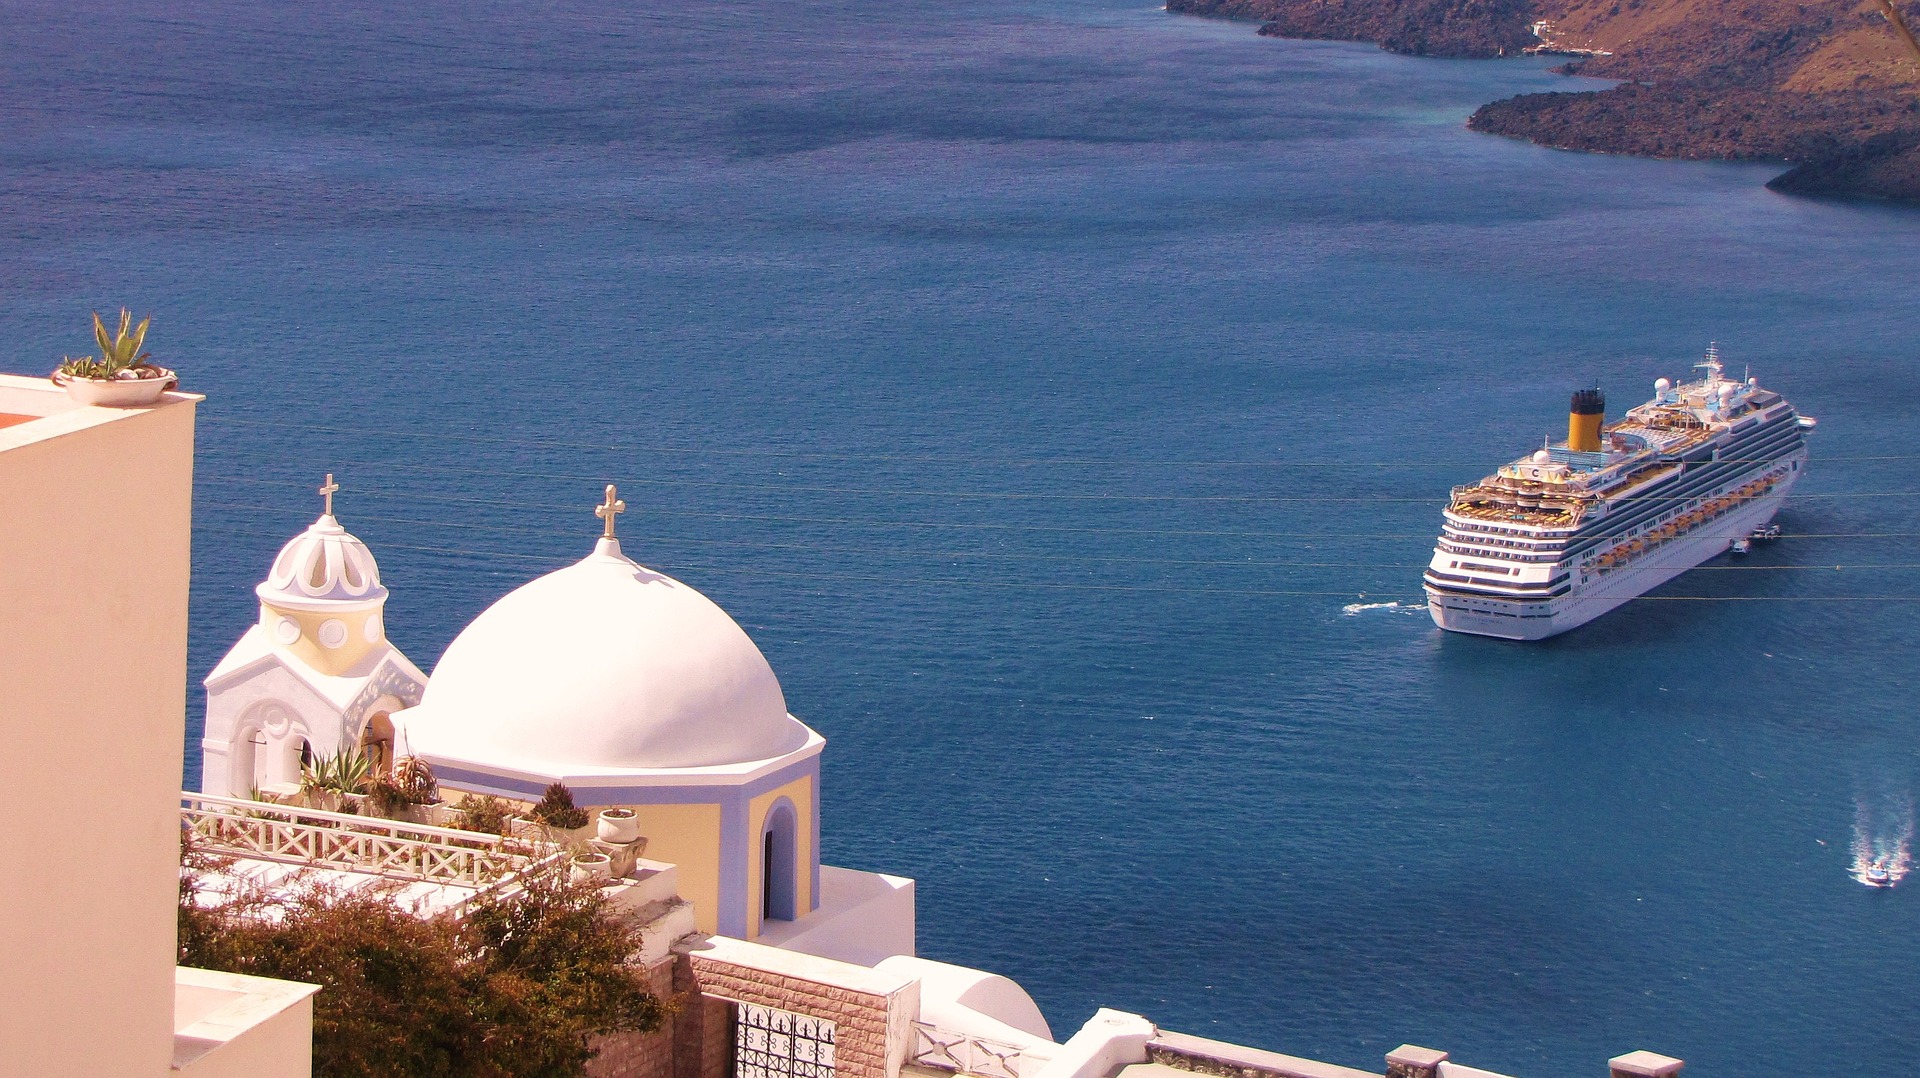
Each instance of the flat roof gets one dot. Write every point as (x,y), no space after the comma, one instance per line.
(211,1008)
(33,409)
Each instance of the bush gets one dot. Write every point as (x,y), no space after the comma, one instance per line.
(556,809)
(517,988)
(483,813)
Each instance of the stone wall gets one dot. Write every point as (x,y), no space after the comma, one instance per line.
(703,1030)
(859,1018)
(707,977)
(641,1055)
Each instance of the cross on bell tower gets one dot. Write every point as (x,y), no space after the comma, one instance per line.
(607,510)
(327,491)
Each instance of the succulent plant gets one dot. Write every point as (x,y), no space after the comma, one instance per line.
(119,351)
(557,809)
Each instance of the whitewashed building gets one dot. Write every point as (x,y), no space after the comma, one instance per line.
(314,675)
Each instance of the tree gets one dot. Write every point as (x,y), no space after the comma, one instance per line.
(517,988)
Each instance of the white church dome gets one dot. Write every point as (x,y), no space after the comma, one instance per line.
(605,664)
(322,568)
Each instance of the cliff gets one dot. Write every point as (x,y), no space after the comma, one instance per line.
(1825,86)
(1472,28)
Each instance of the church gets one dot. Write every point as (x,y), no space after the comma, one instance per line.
(631,688)
(637,692)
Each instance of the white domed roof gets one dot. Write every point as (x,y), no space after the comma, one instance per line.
(323,567)
(604,665)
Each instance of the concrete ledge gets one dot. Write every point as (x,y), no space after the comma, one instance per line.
(1110,1043)
(233,1024)
(1223,1060)
(1413,1061)
(703,951)
(864,918)
(1644,1064)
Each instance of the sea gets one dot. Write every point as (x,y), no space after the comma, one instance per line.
(1063,394)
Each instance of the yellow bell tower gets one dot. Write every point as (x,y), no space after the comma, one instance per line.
(323,599)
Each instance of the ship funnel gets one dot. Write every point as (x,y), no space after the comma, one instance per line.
(1583,420)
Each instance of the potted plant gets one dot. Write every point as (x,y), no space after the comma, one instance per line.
(121,377)
(619,825)
(336,783)
(408,793)
(593,866)
(561,817)
(481,812)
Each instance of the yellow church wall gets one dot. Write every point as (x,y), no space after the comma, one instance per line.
(333,661)
(688,836)
(800,792)
(95,524)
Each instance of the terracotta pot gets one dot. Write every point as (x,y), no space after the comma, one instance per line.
(618,826)
(118,392)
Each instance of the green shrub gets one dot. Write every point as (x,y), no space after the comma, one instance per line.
(556,809)
(480,812)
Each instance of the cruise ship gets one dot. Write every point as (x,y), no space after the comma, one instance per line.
(1560,537)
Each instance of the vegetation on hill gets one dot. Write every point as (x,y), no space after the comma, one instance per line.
(517,987)
(1826,86)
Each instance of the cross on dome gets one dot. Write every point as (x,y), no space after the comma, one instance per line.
(606,510)
(327,491)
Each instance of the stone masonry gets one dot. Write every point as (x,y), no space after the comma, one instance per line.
(872,1013)
(641,1055)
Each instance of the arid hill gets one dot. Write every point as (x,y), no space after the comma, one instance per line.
(1823,85)
(1473,28)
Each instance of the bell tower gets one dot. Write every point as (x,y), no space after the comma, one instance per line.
(323,599)
(315,676)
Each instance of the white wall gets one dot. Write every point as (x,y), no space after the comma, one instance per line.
(228,1025)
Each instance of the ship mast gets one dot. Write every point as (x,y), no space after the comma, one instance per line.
(1712,364)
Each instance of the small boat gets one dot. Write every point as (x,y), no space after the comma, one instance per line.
(1741,545)
(1767,532)
(1876,874)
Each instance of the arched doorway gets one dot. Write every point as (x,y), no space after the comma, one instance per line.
(376,744)
(777,857)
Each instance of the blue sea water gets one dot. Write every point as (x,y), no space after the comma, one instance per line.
(1063,394)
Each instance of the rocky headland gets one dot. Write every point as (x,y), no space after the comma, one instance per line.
(1826,87)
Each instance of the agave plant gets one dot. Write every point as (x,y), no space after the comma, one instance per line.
(122,350)
(557,809)
(118,352)
(352,771)
(345,772)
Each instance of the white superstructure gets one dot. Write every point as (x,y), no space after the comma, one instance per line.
(1556,539)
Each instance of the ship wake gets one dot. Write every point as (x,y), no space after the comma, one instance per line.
(1354,610)
(1882,840)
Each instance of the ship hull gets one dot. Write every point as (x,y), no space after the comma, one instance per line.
(1597,593)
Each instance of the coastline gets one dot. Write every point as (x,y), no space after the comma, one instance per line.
(1849,129)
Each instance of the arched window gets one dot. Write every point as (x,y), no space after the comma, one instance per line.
(778,849)
(245,763)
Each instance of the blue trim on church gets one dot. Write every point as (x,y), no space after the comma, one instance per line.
(738,849)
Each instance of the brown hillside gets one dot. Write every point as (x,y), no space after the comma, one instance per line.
(1823,84)
(1803,46)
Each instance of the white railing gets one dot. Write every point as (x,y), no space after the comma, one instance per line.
(387,848)
(945,1049)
